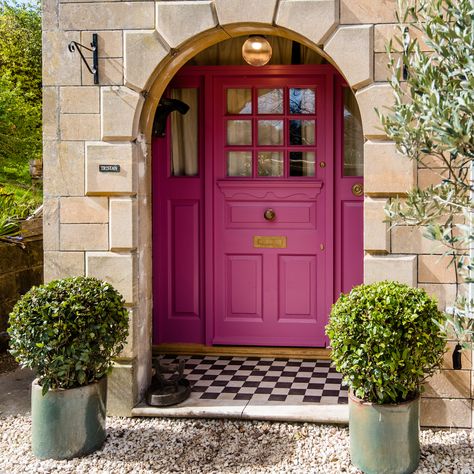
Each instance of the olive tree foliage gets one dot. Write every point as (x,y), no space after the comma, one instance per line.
(432,122)
(20,89)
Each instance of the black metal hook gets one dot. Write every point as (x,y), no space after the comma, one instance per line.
(165,107)
(75,46)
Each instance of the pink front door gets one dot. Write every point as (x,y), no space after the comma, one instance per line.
(272,190)
(254,245)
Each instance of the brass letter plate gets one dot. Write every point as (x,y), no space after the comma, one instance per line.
(269,242)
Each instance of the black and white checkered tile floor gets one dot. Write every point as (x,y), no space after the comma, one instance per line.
(264,379)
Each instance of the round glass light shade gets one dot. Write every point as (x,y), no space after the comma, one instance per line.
(257,51)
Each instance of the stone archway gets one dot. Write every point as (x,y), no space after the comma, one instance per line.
(151,59)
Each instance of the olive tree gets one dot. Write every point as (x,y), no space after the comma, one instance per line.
(432,122)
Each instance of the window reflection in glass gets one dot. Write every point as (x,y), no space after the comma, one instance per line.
(302,132)
(353,136)
(239,101)
(270,101)
(302,101)
(270,132)
(302,163)
(184,134)
(239,163)
(239,132)
(270,163)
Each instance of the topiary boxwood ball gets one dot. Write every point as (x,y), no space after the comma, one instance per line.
(386,340)
(69,331)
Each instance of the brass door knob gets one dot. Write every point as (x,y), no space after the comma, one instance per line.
(269,214)
(358,189)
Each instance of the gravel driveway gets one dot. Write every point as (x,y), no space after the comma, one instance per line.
(161,445)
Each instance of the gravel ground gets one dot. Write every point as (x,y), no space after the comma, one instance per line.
(149,445)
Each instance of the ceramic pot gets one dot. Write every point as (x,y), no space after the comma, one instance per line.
(68,423)
(384,438)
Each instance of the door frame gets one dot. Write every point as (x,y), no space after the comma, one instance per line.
(208,75)
(286,77)
(215,74)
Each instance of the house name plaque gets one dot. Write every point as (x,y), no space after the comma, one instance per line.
(109,168)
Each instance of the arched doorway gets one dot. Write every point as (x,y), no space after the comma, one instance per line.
(257,214)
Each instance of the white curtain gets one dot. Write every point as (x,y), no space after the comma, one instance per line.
(184,135)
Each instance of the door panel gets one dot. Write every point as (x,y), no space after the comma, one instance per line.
(177,222)
(184,255)
(270,206)
(349,207)
(297,283)
(244,286)
(351,243)
(249,214)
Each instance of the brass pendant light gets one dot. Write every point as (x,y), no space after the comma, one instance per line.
(256,51)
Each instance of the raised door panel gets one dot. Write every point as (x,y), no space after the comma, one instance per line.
(352,245)
(243,281)
(249,215)
(184,255)
(297,287)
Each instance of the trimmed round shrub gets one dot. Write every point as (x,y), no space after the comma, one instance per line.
(68,331)
(386,339)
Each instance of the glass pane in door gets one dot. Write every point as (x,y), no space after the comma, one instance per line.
(239,163)
(239,101)
(270,101)
(270,132)
(302,101)
(184,134)
(270,163)
(353,136)
(239,132)
(302,132)
(302,163)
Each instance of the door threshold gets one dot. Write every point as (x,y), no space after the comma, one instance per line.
(244,410)
(244,351)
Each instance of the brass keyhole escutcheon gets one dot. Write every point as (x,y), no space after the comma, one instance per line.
(269,214)
(322,164)
(358,189)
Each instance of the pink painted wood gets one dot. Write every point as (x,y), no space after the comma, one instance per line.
(272,296)
(177,243)
(210,285)
(349,212)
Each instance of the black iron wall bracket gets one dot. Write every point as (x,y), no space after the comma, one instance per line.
(75,46)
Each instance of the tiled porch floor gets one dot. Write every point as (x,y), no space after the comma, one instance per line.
(258,388)
(255,378)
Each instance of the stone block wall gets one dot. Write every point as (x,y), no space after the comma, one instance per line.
(20,269)
(100,224)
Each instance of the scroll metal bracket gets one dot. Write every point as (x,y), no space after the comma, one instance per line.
(75,46)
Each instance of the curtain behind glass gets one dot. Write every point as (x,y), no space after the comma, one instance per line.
(184,135)
(353,136)
(229,53)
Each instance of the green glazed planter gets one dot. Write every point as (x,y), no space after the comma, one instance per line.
(384,438)
(68,423)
